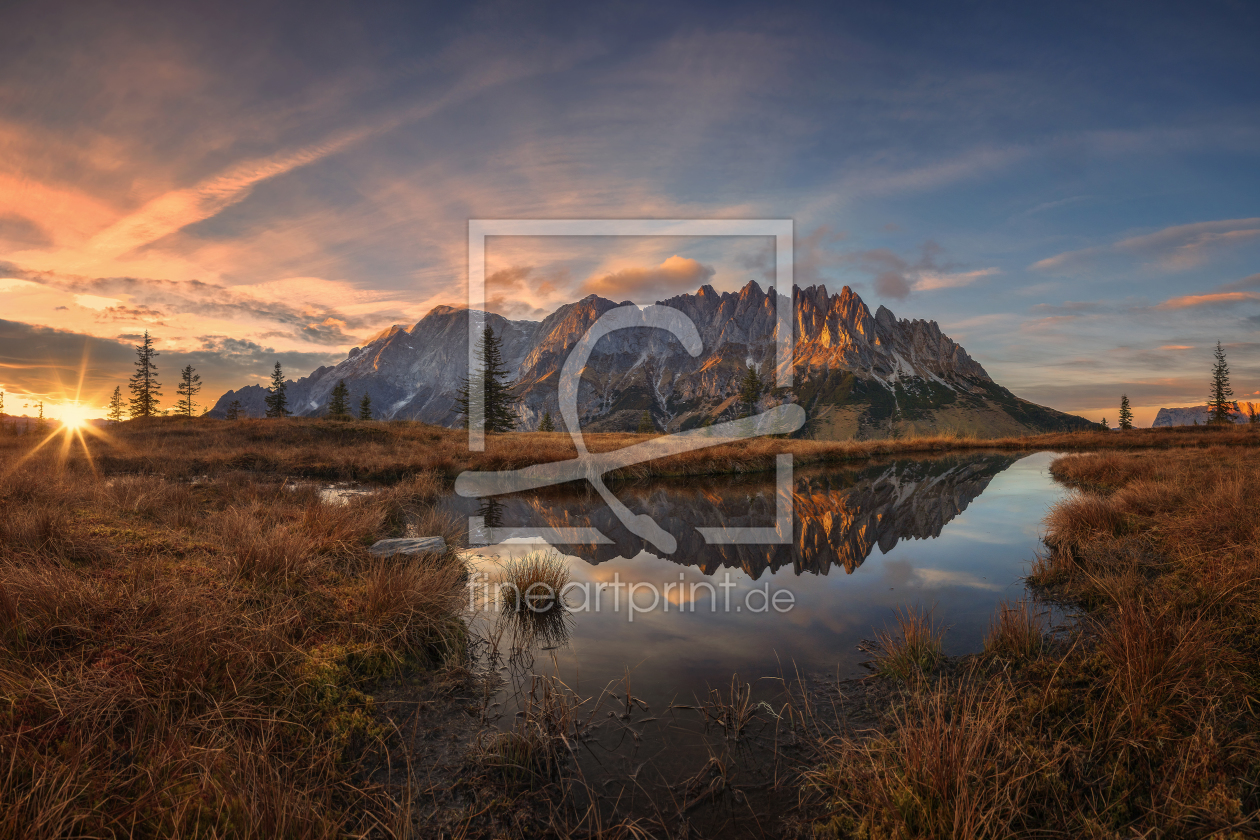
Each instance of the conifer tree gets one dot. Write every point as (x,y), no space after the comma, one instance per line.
(365,407)
(491,379)
(646,426)
(277,402)
(750,390)
(234,410)
(339,402)
(41,425)
(1219,403)
(145,389)
(115,414)
(546,424)
(1126,416)
(1106,427)
(1,403)
(189,386)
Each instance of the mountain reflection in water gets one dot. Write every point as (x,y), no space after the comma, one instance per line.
(839,516)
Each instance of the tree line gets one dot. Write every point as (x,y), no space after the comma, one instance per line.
(146,393)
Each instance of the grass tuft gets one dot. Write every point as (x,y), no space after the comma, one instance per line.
(913,650)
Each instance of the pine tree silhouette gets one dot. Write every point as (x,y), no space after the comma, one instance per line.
(189,386)
(750,390)
(339,402)
(115,414)
(145,389)
(1126,416)
(277,402)
(1219,403)
(365,407)
(491,380)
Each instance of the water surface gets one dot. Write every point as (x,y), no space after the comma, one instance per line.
(954,534)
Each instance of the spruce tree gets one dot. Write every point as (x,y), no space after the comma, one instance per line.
(750,390)
(1,403)
(646,426)
(145,389)
(41,425)
(365,407)
(1219,403)
(491,379)
(1126,416)
(277,402)
(234,410)
(546,424)
(1106,427)
(115,414)
(339,402)
(189,386)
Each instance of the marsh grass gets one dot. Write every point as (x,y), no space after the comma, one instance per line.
(393,452)
(1142,723)
(189,659)
(1015,632)
(913,649)
(535,582)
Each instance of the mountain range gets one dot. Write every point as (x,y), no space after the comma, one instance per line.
(857,374)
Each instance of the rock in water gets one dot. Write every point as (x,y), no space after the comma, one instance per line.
(409,545)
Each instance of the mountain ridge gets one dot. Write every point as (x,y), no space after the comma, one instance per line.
(857,374)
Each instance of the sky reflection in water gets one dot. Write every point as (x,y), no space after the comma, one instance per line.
(955,534)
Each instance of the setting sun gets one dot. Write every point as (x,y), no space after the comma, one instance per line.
(75,416)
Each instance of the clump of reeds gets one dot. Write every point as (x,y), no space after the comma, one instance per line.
(544,733)
(733,710)
(535,582)
(1015,632)
(913,650)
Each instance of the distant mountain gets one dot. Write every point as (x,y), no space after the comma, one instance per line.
(1192,415)
(856,374)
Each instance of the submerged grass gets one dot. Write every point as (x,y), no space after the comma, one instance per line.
(1142,723)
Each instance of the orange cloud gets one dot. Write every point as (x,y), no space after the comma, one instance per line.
(1191,301)
(677,274)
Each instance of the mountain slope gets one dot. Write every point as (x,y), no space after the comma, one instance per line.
(856,374)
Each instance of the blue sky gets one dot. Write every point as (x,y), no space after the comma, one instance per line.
(1070,190)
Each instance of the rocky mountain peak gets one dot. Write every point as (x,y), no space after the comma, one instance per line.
(881,361)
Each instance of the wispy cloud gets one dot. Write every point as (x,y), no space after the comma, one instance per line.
(897,277)
(1174,248)
(1210,299)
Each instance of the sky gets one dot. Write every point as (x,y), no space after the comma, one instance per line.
(1071,190)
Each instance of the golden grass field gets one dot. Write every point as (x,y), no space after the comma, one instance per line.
(1143,723)
(189,639)
(385,452)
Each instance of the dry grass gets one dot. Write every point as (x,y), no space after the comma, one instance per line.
(390,452)
(951,770)
(1015,632)
(1144,724)
(913,649)
(188,658)
(534,582)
